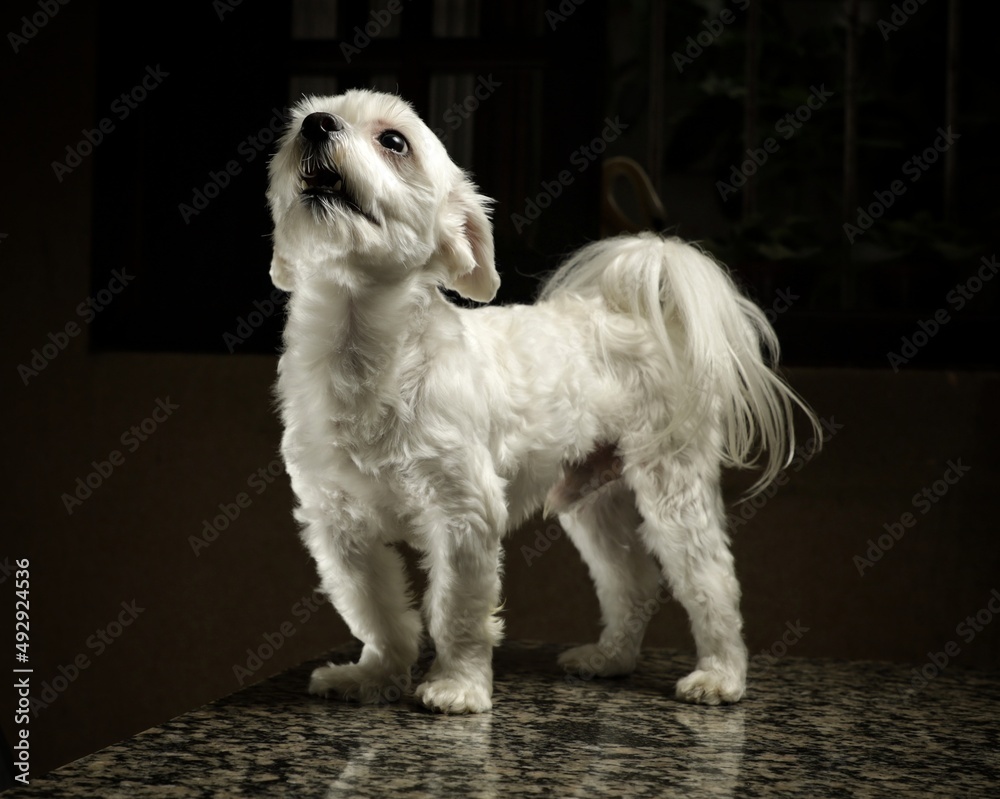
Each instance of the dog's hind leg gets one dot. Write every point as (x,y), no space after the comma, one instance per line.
(604,529)
(366,582)
(683,525)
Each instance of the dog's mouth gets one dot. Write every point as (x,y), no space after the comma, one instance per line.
(323,187)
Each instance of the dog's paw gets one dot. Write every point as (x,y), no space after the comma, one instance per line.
(358,683)
(710,687)
(452,695)
(590,660)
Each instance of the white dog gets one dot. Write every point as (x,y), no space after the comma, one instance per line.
(409,419)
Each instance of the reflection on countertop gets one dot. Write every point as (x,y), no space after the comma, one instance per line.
(818,728)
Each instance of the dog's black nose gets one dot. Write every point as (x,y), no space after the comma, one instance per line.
(318,127)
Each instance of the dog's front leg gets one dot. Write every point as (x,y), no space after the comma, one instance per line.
(366,582)
(463,558)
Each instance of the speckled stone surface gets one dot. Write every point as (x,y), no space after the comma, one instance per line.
(807,728)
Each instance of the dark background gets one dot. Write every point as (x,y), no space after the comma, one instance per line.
(163,337)
(558,77)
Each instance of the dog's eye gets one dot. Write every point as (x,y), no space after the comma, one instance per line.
(394,141)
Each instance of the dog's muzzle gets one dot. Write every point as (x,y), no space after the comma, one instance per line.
(321,182)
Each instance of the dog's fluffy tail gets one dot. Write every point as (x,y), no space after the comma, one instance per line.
(717,340)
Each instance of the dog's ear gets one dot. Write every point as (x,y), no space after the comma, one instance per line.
(466,247)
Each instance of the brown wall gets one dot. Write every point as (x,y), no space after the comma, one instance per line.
(130,540)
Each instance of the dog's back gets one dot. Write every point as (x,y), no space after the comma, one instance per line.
(714,340)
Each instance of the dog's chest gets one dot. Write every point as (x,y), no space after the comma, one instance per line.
(341,406)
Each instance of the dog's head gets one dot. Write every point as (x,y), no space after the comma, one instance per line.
(361,184)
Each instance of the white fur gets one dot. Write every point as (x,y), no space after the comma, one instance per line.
(409,419)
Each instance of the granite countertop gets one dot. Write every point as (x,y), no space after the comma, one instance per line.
(815,728)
